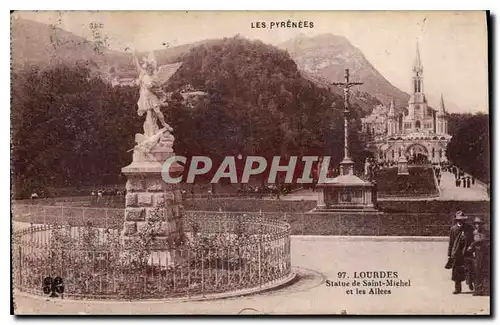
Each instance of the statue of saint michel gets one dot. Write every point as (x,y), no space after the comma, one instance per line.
(151,99)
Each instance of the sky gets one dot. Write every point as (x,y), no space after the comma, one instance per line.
(453,45)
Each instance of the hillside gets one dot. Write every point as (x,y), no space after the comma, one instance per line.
(34,43)
(257,98)
(38,44)
(326,56)
(365,101)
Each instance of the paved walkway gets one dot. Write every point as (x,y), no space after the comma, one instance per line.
(449,191)
(318,259)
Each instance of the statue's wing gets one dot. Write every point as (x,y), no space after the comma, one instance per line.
(165,72)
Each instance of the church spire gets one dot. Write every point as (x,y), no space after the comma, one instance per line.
(392,126)
(417,64)
(441,111)
(392,112)
(417,79)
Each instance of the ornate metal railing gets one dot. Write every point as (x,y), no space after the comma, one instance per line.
(81,246)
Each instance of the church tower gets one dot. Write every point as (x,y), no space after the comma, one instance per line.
(417,105)
(441,121)
(392,122)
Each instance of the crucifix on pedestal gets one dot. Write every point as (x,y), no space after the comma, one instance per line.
(346,192)
(346,165)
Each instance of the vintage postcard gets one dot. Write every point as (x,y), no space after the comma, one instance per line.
(250,162)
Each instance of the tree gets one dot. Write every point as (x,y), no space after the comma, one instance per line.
(469,148)
(68,129)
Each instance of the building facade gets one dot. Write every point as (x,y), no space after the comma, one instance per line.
(417,131)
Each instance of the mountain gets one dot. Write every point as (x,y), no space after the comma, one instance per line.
(364,100)
(326,56)
(35,43)
(321,59)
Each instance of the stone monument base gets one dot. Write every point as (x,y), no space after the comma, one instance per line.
(403,166)
(153,207)
(346,193)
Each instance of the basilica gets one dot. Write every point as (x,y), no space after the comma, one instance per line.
(417,131)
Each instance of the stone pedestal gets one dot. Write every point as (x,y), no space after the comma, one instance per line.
(347,193)
(321,200)
(150,203)
(403,166)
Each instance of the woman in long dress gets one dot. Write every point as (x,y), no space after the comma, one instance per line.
(149,102)
(481,249)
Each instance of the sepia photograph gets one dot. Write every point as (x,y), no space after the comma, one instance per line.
(250,163)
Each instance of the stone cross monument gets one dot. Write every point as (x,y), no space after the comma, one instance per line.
(346,192)
(346,165)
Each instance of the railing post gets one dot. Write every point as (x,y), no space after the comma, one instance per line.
(202,272)
(260,256)
(106,218)
(20,268)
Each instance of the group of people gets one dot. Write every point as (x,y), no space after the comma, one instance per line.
(469,255)
(464,182)
(437,172)
(259,191)
(461,179)
(372,167)
(97,195)
(271,189)
(387,164)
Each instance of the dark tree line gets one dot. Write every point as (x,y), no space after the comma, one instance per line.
(72,129)
(469,148)
(68,128)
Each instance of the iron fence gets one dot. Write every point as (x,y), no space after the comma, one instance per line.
(219,253)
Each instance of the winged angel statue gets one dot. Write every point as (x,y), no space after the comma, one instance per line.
(151,79)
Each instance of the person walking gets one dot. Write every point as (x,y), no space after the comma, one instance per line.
(460,259)
(480,248)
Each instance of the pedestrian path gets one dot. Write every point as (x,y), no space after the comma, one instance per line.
(449,191)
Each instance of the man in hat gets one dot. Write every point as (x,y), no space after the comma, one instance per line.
(480,247)
(461,236)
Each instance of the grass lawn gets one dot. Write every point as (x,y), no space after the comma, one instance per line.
(419,182)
